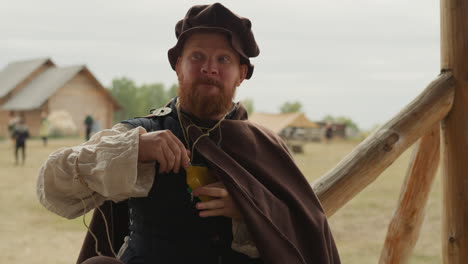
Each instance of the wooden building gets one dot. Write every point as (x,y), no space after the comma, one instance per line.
(290,126)
(28,88)
(295,128)
(339,129)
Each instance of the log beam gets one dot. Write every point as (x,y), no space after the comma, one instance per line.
(362,166)
(403,230)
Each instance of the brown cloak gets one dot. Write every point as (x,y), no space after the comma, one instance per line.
(279,206)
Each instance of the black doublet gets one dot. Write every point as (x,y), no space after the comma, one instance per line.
(165,226)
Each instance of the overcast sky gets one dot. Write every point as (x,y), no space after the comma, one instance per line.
(365,59)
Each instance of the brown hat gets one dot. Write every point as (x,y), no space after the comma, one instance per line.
(217,17)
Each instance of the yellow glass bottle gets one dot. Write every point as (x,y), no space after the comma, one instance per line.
(198,176)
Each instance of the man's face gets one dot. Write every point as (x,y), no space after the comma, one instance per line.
(209,71)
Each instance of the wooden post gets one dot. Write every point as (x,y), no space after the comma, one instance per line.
(403,230)
(454,43)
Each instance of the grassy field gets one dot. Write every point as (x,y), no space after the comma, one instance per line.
(31,234)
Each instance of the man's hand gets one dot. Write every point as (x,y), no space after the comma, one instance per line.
(223,205)
(165,148)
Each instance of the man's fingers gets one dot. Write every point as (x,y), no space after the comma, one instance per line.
(184,155)
(210,191)
(218,184)
(208,213)
(171,158)
(210,205)
(186,158)
(172,155)
(179,151)
(162,157)
(164,147)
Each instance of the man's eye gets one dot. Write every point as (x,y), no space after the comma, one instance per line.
(196,56)
(224,59)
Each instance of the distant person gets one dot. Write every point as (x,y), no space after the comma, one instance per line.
(328,132)
(89,121)
(44,128)
(11,124)
(20,134)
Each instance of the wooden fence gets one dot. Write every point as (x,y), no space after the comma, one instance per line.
(437,123)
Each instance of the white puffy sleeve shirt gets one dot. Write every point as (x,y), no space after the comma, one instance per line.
(78,179)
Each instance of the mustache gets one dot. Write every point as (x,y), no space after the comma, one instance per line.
(209,81)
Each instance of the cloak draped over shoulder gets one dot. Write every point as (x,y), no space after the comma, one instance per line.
(279,206)
(282,213)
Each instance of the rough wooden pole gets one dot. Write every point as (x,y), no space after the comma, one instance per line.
(365,163)
(403,231)
(454,43)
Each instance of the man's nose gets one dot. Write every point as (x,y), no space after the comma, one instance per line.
(210,67)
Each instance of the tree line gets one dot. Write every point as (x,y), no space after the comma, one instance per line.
(138,100)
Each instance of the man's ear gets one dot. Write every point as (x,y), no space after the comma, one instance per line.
(243,74)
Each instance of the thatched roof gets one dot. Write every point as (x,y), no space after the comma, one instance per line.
(278,122)
(16,72)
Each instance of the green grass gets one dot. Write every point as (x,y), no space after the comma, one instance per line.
(31,234)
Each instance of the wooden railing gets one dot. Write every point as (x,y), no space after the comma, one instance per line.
(365,163)
(442,106)
(420,119)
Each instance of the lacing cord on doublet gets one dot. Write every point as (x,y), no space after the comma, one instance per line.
(96,247)
(205,130)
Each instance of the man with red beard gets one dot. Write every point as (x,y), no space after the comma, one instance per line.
(253,205)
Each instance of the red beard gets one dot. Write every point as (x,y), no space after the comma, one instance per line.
(203,106)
